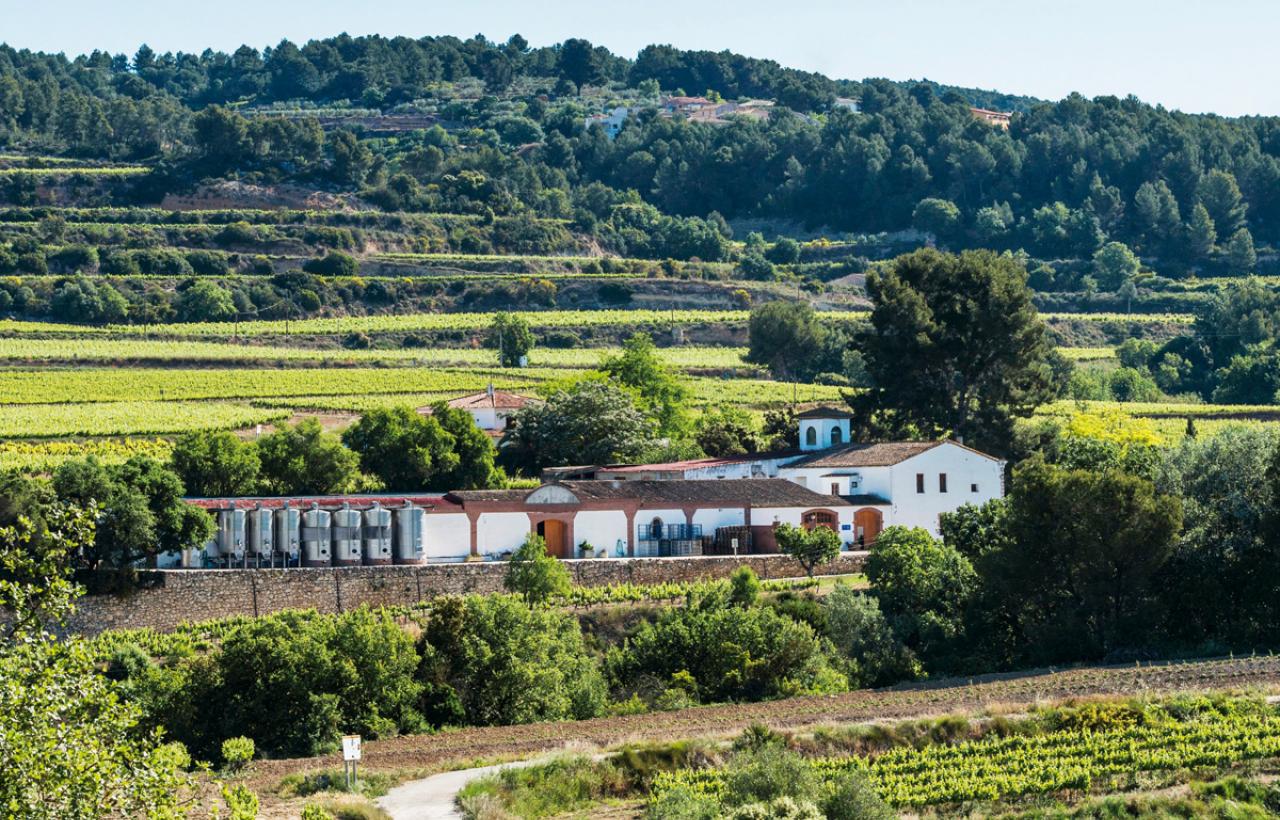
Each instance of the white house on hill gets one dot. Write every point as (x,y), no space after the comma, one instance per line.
(902,482)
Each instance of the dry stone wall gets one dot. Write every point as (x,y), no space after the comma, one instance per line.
(167,598)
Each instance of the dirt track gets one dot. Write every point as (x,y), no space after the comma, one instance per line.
(423,752)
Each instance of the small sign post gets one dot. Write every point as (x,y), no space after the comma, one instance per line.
(350,757)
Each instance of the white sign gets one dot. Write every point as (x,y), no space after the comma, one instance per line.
(350,747)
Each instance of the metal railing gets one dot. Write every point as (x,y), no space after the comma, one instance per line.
(670,532)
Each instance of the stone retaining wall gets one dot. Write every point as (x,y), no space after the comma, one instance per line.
(169,597)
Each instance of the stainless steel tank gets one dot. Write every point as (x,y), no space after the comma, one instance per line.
(346,536)
(410,534)
(260,532)
(231,536)
(316,537)
(288,532)
(377,535)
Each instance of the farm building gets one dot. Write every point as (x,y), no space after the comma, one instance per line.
(696,507)
(913,482)
(490,409)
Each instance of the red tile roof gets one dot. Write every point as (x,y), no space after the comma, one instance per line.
(696,463)
(825,413)
(302,502)
(749,492)
(884,454)
(499,401)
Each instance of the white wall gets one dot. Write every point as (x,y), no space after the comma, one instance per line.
(603,528)
(501,532)
(824,428)
(446,536)
(738,469)
(964,468)
(712,518)
(764,516)
(485,418)
(871,480)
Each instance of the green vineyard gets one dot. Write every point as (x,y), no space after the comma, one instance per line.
(995,768)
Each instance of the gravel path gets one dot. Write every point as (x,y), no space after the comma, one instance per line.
(432,798)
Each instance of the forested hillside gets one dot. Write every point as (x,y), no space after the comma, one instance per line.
(1184,191)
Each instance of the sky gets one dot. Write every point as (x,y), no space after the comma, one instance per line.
(1191,55)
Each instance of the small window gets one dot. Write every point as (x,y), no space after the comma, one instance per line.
(973,488)
(835,488)
(811,436)
(919,482)
(942,482)
(837,437)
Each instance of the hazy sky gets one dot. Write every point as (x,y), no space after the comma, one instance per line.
(1187,54)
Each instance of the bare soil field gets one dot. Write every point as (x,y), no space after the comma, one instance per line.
(1007,692)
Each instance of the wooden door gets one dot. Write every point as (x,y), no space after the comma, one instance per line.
(867,524)
(554,533)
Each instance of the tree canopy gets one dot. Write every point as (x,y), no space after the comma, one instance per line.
(955,348)
(587,422)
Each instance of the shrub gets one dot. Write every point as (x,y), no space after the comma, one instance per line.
(781,808)
(237,751)
(500,662)
(208,263)
(756,267)
(615,294)
(534,575)
(731,653)
(290,680)
(314,812)
(766,772)
(855,798)
(744,587)
(242,804)
(333,263)
(860,631)
(357,340)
